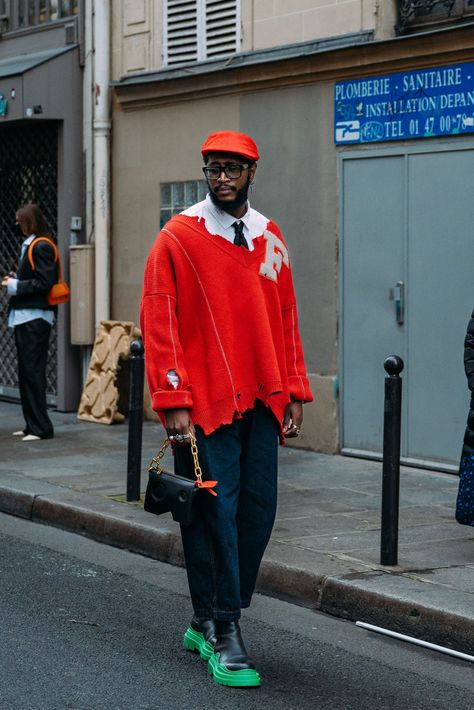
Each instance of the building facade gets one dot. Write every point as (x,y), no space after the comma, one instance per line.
(376,210)
(41,130)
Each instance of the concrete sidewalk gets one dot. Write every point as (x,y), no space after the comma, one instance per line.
(324,551)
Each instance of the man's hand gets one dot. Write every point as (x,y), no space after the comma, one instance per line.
(292,420)
(179,426)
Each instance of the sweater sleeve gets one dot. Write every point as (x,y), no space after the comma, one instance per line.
(166,372)
(469,353)
(297,378)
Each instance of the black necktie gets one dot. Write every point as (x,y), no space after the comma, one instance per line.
(239,238)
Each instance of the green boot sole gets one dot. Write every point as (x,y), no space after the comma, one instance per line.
(195,641)
(247,678)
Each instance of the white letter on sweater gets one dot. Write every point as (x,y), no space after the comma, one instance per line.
(275,254)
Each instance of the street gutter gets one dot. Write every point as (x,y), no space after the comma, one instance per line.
(390,598)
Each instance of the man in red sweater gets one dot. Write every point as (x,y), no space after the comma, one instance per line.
(225,365)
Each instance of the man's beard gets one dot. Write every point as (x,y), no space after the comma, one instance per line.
(240,199)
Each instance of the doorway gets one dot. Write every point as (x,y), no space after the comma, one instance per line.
(28,173)
(407,288)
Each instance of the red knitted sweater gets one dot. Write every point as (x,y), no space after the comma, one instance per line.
(224,319)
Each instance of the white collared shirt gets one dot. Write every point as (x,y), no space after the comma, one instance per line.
(219,222)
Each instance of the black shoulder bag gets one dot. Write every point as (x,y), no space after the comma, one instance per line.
(170,493)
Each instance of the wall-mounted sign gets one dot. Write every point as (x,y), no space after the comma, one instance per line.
(3,105)
(438,101)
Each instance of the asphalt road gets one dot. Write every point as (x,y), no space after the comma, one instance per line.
(87,626)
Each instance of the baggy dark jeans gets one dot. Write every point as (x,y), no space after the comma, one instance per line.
(223,548)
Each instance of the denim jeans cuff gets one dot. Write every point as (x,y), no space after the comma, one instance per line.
(245,603)
(219,615)
(202,613)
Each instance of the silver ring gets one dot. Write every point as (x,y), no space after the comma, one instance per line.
(181,437)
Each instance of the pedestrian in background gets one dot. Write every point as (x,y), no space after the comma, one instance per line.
(31,317)
(465,498)
(225,364)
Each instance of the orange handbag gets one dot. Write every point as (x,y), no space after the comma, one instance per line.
(60,292)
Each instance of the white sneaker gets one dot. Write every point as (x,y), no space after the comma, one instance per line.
(31,437)
(20,432)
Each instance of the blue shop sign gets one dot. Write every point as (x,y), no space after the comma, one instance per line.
(3,106)
(424,103)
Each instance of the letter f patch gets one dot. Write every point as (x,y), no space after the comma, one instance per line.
(275,254)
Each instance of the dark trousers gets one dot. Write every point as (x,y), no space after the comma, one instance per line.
(31,341)
(223,548)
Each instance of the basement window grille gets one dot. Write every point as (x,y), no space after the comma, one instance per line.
(195,30)
(178,196)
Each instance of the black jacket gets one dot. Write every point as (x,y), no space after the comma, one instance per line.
(468,447)
(34,286)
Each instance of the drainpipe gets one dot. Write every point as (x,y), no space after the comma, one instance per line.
(101,158)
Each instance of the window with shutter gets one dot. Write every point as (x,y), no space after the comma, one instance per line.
(195,30)
(221,28)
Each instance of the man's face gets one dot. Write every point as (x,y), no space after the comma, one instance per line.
(230,193)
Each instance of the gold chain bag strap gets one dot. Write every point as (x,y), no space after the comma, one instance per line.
(169,493)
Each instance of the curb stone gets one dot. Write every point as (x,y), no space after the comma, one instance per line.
(16,503)
(357,597)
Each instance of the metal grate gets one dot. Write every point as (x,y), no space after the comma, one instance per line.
(28,173)
(416,14)
(178,196)
(20,14)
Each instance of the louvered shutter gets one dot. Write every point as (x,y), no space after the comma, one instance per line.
(200,29)
(222,34)
(181,32)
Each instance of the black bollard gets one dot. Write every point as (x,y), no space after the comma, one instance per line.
(135,420)
(391,461)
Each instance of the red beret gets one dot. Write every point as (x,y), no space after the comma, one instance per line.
(230,142)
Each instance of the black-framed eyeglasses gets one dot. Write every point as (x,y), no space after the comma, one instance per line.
(232,170)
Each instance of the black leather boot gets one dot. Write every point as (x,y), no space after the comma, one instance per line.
(206,626)
(230,664)
(230,646)
(200,636)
